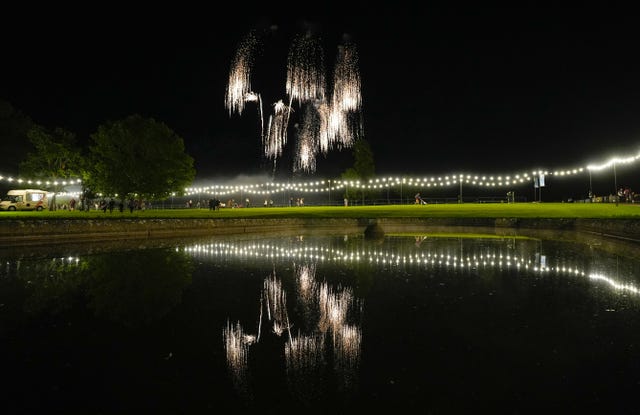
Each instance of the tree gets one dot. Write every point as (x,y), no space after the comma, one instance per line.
(363,169)
(14,142)
(350,175)
(55,157)
(139,156)
(363,160)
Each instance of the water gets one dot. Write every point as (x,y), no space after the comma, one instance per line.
(434,323)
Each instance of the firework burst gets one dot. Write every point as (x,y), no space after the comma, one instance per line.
(326,123)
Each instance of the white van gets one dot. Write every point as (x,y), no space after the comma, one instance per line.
(25,199)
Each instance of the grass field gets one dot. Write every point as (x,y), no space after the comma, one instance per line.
(466,210)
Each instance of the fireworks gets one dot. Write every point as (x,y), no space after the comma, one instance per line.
(326,123)
(239,87)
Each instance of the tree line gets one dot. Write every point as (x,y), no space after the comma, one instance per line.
(135,157)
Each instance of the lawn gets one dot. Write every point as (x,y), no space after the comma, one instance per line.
(466,210)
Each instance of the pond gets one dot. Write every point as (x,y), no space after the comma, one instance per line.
(327,323)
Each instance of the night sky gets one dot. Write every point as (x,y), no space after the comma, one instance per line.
(476,90)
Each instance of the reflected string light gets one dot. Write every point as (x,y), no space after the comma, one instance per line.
(487,258)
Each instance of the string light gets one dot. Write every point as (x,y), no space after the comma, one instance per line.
(324,185)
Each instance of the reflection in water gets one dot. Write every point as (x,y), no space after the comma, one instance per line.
(136,290)
(237,348)
(306,354)
(275,302)
(327,344)
(52,284)
(468,259)
(133,290)
(448,319)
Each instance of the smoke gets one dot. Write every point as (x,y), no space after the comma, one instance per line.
(237,180)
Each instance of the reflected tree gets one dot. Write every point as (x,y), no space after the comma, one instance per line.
(137,289)
(52,287)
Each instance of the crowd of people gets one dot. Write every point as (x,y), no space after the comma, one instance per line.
(626,195)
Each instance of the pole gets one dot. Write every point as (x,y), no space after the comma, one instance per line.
(615,180)
(460,196)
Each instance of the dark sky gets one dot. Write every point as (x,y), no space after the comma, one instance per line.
(476,89)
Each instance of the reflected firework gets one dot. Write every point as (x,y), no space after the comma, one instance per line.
(237,343)
(329,120)
(274,323)
(275,303)
(347,351)
(307,285)
(306,354)
(306,366)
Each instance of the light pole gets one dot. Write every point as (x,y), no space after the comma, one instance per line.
(615,180)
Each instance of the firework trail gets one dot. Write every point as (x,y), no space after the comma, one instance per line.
(305,71)
(346,81)
(307,147)
(239,86)
(276,137)
(346,99)
(326,124)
